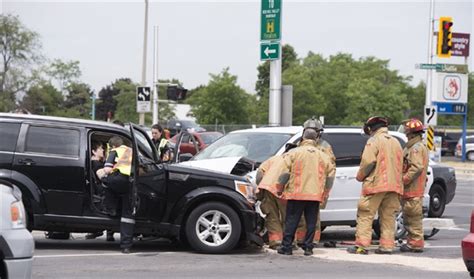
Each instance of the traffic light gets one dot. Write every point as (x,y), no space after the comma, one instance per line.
(176,93)
(444,37)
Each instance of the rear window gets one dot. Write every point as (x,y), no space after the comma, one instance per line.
(9,135)
(50,140)
(470,140)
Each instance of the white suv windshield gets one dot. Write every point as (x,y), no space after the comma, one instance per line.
(255,146)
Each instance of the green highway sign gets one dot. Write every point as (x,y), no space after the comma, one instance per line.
(446,68)
(428,66)
(269,51)
(270,20)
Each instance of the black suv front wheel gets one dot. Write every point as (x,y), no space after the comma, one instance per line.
(213,227)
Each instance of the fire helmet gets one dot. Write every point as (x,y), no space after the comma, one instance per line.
(413,126)
(313,123)
(373,123)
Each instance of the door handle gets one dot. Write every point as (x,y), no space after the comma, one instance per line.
(341,177)
(27,162)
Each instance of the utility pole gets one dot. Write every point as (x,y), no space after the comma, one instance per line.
(141,120)
(155,75)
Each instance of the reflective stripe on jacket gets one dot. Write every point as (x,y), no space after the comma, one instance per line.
(123,160)
(381,164)
(311,173)
(415,167)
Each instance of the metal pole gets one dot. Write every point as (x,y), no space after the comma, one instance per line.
(155,76)
(141,120)
(274,102)
(93,106)
(464,135)
(430,55)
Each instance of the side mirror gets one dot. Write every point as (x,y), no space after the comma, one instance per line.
(185,157)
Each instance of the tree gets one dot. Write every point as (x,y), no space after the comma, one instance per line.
(221,101)
(43,99)
(64,72)
(19,49)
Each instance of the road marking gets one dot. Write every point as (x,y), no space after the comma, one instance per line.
(460,205)
(103,254)
(424,263)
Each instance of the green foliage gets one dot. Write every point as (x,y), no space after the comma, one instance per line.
(64,72)
(19,49)
(221,101)
(43,99)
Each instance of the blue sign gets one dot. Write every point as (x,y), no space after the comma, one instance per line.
(451,108)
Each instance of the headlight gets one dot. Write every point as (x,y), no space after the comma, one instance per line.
(17,213)
(247,190)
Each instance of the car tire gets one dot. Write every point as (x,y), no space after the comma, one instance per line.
(470,156)
(400,231)
(213,227)
(437,201)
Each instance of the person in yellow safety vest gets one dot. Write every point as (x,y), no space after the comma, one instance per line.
(161,143)
(304,183)
(271,205)
(415,167)
(326,148)
(380,172)
(117,169)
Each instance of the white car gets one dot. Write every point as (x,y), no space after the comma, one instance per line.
(16,242)
(469,148)
(261,143)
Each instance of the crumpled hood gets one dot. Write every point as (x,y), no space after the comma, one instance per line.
(232,165)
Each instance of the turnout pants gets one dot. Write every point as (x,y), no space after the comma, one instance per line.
(387,204)
(294,211)
(119,185)
(413,221)
(275,211)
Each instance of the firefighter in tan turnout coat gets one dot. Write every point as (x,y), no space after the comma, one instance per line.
(304,183)
(381,173)
(271,205)
(415,166)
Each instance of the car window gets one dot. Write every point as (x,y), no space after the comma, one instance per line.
(50,140)
(347,147)
(186,138)
(210,138)
(470,140)
(144,146)
(9,136)
(255,146)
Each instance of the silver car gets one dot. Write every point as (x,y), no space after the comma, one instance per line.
(16,242)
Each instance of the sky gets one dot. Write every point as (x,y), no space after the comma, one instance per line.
(198,38)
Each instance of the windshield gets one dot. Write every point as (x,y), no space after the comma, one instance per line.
(255,146)
(210,137)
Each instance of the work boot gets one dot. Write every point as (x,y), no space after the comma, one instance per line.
(110,236)
(405,248)
(308,251)
(284,251)
(383,252)
(357,250)
(126,251)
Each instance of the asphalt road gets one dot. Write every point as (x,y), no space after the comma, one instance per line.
(81,258)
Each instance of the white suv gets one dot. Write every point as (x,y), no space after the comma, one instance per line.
(261,143)
(16,242)
(469,148)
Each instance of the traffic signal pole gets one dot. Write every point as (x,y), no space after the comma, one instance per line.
(155,76)
(141,119)
(429,73)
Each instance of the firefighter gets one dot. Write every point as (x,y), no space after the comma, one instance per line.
(415,167)
(117,169)
(325,147)
(380,171)
(271,205)
(307,175)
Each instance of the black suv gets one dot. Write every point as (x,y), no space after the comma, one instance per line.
(48,158)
